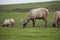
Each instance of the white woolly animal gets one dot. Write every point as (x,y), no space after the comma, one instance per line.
(38,13)
(8,22)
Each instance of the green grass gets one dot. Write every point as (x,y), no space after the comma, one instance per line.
(17,32)
(29,34)
(17,15)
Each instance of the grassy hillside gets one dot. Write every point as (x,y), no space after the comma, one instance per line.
(51,6)
(17,32)
(30,5)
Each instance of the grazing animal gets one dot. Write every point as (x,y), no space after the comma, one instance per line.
(56,19)
(38,13)
(8,22)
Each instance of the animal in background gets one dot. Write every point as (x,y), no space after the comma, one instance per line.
(8,22)
(56,19)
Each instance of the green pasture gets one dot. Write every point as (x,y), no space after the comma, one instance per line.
(29,34)
(17,15)
(17,32)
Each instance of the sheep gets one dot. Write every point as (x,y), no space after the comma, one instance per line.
(8,22)
(38,13)
(12,21)
(56,19)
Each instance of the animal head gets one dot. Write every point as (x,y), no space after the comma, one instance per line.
(23,22)
(12,20)
(54,24)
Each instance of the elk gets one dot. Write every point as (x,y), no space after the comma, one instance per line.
(38,13)
(8,22)
(56,19)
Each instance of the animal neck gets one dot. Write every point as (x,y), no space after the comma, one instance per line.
(27,19)
(56,19)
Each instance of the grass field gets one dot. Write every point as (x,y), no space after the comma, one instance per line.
(23,15)
(29,34)
(30,5)
(17,32)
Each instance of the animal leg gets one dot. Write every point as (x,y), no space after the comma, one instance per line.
(3,25)
(57,24)
(33,21)
(45,19)
(7,25)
